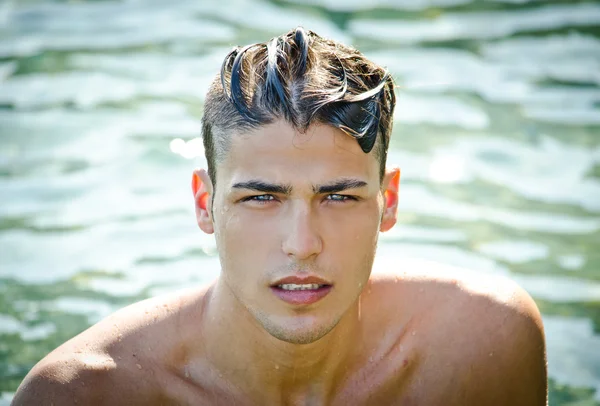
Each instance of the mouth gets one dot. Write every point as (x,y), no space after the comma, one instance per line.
(304,286)
(301,290)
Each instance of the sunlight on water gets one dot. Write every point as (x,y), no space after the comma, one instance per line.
(189,150)
(480,25)
(439,110)
(515,251)
(571,262)
(447,169)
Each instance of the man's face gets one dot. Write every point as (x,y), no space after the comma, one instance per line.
(296,205)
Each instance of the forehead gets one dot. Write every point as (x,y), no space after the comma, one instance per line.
(277,152)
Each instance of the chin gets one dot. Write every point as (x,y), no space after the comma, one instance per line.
(296,329)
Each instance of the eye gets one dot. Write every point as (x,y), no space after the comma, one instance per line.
(339,198)
(261,199)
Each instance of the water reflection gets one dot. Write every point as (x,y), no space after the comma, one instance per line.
(479,25)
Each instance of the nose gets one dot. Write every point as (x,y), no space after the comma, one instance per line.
(301,239)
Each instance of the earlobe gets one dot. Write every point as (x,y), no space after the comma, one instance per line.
(390,209)
(202,189)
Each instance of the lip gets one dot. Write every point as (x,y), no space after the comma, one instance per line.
(302,297)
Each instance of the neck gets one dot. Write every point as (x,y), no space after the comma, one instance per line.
(249,357)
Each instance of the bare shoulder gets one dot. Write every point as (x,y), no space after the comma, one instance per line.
(435,287)
(481,337)
(66,380)
(128,350)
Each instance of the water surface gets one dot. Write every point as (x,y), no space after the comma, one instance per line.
(497,133)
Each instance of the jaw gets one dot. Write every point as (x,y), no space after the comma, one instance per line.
(298,328)
(282,329)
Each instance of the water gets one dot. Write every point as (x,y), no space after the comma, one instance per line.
(497,133)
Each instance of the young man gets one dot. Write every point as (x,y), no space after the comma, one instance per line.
(296,132)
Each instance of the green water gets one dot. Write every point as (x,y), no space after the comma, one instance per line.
(497,133)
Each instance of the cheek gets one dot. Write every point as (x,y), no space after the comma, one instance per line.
(351,237)
(356,226)
(242,239)
(238,226)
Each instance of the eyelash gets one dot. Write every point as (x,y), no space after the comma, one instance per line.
(345,198)
(261,198)
(256,199)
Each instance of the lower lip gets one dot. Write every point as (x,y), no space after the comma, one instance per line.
(301,297)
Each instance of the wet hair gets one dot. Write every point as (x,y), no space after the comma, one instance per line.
(303,79)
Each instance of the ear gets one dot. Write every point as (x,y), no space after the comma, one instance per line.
(391,185)
(202,189)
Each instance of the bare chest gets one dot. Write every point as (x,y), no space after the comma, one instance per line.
(387,380)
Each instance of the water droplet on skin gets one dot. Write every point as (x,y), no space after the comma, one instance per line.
(138,366)
(119,357)
(370,359)
(491,353)
(187,373)
(413,333)
(276,366)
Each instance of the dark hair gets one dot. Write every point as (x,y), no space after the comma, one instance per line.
(304,79)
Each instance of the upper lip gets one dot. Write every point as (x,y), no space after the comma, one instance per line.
(301,280)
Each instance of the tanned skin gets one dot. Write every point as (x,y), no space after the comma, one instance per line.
(425,334)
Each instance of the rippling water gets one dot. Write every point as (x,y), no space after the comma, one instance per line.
(497,133)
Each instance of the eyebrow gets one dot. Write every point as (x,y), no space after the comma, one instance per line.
(264,187)
(339,185)
(286,189)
